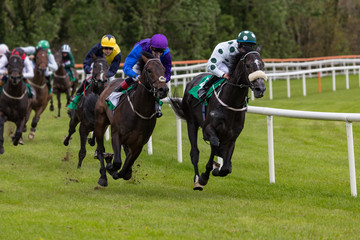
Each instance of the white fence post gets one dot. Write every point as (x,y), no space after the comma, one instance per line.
(271,148)
(350,144)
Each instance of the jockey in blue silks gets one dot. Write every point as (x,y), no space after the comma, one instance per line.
(156,45)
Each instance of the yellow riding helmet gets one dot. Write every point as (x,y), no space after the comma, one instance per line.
(108,41)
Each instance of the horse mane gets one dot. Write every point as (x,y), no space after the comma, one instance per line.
(141,61)
(236,58)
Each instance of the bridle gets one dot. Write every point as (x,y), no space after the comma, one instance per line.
(152,89)
(42,52)
(18,70)
(148,79)
(249,84)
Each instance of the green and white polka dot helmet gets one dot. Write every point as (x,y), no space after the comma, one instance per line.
(246,37)
(43,44)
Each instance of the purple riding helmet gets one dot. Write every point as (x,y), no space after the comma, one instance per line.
(159,41)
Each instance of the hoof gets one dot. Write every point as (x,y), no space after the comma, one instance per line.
(14,140)
(31,135)
(51,108)
(2,150)
(21,141)
(103,182)
(115,175)
(216,172)
(198,186)
(203,180)
(91,141)
(128,175)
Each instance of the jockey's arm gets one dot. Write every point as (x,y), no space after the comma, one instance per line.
(167,64)
(52,65)
(131,60)
(216,65)
(28,70)
(115,64)
(3,63)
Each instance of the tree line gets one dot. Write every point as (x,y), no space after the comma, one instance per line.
(284,28)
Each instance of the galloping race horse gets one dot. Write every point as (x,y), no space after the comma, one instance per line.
(42,97)
(13,101)
(132,121)
(84,113)
(62,83)
(223,119)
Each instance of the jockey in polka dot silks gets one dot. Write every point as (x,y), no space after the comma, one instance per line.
(219,62)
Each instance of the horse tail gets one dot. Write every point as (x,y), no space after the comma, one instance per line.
(176,105)
(89,107)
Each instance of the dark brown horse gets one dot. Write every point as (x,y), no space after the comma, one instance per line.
(42,97)
(13,101)
(84,114)
(132,122)
(62,83)
(225,114)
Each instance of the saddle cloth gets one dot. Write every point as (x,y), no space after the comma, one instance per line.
(194,91)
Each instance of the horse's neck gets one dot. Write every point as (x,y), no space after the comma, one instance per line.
(15,90)
(39,78)
(144,101)
(232,95)
(61,70)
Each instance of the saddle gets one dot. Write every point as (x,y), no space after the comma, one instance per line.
(194,91)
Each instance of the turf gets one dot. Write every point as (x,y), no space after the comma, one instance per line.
(44,196)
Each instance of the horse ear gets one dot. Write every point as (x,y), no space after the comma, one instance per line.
(145,59)
(258,48)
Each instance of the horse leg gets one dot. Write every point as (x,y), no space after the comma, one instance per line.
(19,130)
(99,135)
(227,166)
(34,123)
(2,122)
(58,96)
(51,104)
(116,146)
(74,121)
(126,171)
(204,178)
(83,135)
(194,152)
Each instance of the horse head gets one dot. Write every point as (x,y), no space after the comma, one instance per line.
(41,60)
(15,68)
(152,76)
(99,74)
(58,57)
(253,68)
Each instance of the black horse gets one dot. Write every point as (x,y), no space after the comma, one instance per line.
(13,100)
(84,114)
(224,116)
(132,121)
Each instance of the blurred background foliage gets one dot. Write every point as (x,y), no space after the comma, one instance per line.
(284,28)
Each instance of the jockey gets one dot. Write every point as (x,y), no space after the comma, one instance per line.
(68,61)
(28,71)
(218,64)
(52,66)
(3,50)
(158,46)
(112,52)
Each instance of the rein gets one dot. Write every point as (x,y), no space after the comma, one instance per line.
(227,106)
(137,113)
(12,97)
(36,85)
(58,76)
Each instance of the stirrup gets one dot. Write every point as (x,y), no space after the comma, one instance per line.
(159,114)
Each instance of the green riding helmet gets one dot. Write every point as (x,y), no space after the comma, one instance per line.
(246,37)
(43,44)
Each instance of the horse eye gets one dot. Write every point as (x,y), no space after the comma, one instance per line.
(148,70)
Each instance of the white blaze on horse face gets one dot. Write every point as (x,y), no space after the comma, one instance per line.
(258,64)
(101,72)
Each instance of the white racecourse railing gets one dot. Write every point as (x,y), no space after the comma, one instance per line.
(270,112)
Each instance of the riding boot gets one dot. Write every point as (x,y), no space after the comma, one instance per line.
(158,109)
(124,85)
(204,89)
